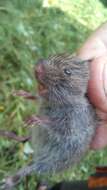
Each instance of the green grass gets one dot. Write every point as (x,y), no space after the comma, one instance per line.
(29,31)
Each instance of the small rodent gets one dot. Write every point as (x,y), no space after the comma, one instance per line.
(67,121)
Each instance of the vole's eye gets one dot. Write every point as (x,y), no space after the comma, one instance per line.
(67,72)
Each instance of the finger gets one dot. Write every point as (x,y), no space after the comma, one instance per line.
(97,84)
(95,45)
(93,48)
(102,115)
(100,140)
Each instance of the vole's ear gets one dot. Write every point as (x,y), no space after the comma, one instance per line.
(84,68)
(86,61)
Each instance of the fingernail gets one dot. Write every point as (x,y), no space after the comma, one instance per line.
(105,79)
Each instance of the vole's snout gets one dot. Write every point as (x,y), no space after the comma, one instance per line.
(40,69)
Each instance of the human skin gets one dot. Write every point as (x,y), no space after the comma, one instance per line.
(95,48)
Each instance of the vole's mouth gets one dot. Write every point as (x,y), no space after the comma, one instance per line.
(42,89)
(40,73)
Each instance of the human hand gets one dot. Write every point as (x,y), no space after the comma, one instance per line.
(95,48)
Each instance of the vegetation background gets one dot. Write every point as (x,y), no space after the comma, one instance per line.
(29,30)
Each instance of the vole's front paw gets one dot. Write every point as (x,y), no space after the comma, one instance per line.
(37,120)
(9,182)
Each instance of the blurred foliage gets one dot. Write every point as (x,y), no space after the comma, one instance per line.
(29,30)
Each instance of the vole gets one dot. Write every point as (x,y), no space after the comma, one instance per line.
(67,121)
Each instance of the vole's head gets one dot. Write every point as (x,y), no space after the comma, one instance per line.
(62,78)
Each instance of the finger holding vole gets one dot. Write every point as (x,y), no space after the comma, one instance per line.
(96,44)
(95,47)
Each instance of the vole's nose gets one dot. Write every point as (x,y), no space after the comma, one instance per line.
(40,69)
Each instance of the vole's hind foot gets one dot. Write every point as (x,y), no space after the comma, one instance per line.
(9,182)
(42,186)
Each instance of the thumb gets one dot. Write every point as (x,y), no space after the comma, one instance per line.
(100,140)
